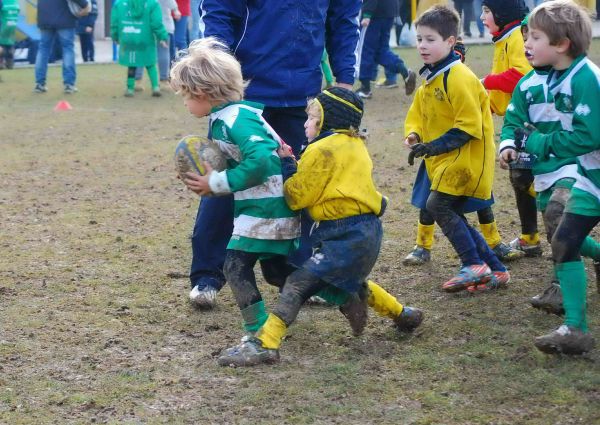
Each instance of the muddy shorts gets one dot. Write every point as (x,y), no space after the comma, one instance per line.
(583,203)
(345,250)
(543,197)
(422,189)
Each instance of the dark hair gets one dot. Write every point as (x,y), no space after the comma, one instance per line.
(506,11)
(442,19)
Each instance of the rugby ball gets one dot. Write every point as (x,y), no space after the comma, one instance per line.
(193,151)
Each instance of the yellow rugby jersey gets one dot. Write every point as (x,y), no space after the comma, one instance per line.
(334,180)
(509,52)
(453,97)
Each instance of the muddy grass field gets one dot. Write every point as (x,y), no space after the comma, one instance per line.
(95,324)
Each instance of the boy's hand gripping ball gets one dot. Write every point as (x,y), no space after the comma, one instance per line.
(193,151)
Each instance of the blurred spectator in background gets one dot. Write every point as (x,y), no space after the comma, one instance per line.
(85,29)
(181,26)
(56,20)
(465,11)
(195,32)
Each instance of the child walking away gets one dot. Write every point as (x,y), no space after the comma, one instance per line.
(553,177)
(503,19)
(264,229)
(9,16)
(560,34)
(333,182)
(450,124)
(136,25)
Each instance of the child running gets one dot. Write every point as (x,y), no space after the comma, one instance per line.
(333,182)
(560,34)
(450,124)
(503,20)
(553,177)
(264,229)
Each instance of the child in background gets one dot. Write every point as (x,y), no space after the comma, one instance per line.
(421,253)
(553,177)
(450,124)
(9,16)
(169,12)
(560,34)
(210,80)
(503,20)
(136,25)
(85,29)
(333,182)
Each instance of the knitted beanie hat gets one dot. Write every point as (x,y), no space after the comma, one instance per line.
(341,109)
(506,11)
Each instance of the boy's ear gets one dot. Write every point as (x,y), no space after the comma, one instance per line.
(451,40)
(563,45)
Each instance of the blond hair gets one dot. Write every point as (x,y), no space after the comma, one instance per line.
(563,20)
(208,68)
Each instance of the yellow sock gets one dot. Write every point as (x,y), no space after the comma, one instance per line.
(425,235)
(532,191)
(532,239)
(272,332)
(384,303)
(490,234)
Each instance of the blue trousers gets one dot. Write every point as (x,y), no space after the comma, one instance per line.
(66,38)
(376,51)
(214,221)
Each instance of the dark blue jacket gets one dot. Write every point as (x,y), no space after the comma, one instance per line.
(89,20)
(381,8)
(55,14)
(280,42)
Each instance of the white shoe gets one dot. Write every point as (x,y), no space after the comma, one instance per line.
(205,298)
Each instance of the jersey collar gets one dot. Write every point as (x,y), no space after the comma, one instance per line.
(429,72)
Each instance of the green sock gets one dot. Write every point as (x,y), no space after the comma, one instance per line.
(130,83)
(573,284)
(333,295)
(254,316)
(590,249)
(153,74)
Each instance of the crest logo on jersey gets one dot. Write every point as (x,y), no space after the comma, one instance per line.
(439,95)
(583,110)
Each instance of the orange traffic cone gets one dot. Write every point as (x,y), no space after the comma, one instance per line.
(63,105)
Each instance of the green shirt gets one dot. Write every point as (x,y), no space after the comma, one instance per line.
(136,25)
(263,222)
(532,103)
(576,97)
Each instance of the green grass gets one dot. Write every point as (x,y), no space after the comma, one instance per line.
(93,329)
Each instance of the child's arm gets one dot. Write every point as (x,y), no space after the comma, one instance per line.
(516,116)
(414,121)
(304,188)
(156,24)
(257,149)
(114,23)
(582,138)
(449,141)
(517,67)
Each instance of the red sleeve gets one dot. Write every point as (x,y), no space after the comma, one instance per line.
(505,81)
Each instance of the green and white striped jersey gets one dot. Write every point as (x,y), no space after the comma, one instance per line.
(576,98)
(263,222)
(531,102)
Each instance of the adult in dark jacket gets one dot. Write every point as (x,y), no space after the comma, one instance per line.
(55,20)
(279,44)
(85,30)
(377,20)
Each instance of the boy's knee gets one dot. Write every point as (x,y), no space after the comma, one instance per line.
(552,216)
(521,179)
